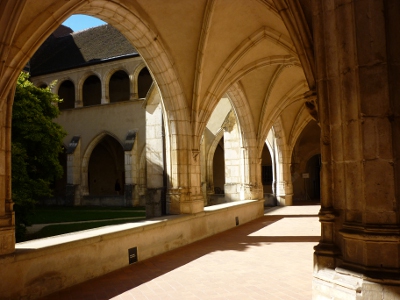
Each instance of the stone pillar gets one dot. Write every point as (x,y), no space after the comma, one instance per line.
(105,91)
(357,56)
(133,87)
(7,219)
(73,193)
(233,159)
(204,172)
(184,194)
(251,186)
(131,169)
(78,95)
(283,181)
(154,158)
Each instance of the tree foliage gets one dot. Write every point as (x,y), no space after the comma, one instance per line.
(36,144)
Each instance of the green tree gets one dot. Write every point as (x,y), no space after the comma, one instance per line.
(36,144)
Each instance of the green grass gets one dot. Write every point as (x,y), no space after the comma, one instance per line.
(59,214)
(53,230)
(46,215)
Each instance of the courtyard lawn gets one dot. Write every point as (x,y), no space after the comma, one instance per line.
(46,215)
(81,218)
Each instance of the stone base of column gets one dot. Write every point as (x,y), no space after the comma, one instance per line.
(182,202)
(232,192)
(348,285)
(7,234)
(131,195)
(251,192)
(285,200)
(153,202)
(70,191)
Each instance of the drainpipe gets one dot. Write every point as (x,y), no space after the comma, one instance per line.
(165,179)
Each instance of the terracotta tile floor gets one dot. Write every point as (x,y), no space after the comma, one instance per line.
(269,258)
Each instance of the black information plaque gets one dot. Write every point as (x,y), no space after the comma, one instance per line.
(132,255)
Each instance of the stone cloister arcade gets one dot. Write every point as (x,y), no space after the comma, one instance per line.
(281,63)
(100,149)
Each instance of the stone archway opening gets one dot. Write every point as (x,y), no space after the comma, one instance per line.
(91,91)
(219,168)
(144,82)
(267,177)
(313,180)
(106,167)
(119,87)
(305,164)
(66,92)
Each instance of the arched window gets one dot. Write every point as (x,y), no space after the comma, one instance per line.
(144,82)
(119,87)
(92,91)
(66,92)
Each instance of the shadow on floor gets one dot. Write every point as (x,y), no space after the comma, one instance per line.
(237,239)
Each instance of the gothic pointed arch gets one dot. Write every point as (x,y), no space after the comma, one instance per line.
(216,148)
(102,165)
(144,82)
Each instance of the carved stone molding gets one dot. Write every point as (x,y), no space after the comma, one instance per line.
(312,104)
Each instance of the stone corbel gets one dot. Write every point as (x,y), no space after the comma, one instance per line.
(195,154)
(229,122)
(312,104)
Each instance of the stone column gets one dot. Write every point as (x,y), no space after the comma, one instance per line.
(154,159)
(184,194)
(203,166)
(7,219)
(233,159)
(283,181)
(133,87)
(78,95)
(131,169)
(357,55)
(73,193)
(105,91)
(251,187)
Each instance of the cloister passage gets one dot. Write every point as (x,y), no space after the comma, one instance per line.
(306,164)
(282,64)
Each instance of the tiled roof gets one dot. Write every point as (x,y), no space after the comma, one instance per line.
(64,50)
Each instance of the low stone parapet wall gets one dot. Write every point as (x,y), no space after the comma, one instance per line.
(112,200)
(40,267)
